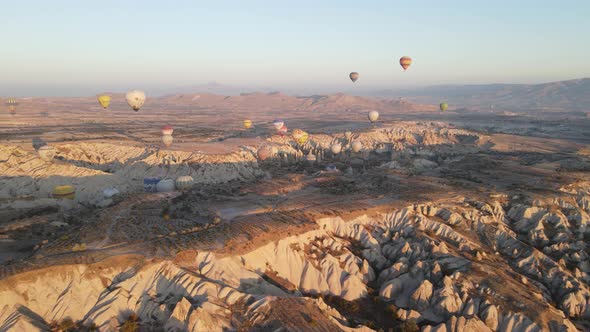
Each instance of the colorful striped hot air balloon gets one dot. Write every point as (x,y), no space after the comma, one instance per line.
(104,101)
(405,62)
(353,76)
(12,104)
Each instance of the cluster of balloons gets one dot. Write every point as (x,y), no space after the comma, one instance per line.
(404,61)
(134,98)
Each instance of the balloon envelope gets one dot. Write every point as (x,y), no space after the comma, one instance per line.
(348,134)
(278,124)
(11,103)
(135,99)
(167,140)
(247,124)
(353,76)
(443,106)
(373,116)
(184,182)
(104,100)
(167,130)
(67,192)
(405,62)
(336,148)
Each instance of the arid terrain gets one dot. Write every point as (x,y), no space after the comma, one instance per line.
(473,219)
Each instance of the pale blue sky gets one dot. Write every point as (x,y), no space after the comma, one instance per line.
(76,47)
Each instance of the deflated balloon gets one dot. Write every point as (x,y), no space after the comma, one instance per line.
(167,130)
(443,106)
(167,140)
(247,124)
(135,99)
(353,76)
(104,100)
(373,116)
(357,146)
(46,153)
(405,62)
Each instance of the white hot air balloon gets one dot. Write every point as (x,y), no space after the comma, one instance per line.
(46,153)
(357,146)
(135,99)
(184,182)
(167,140)
(373,116)
(336,148)
(348,134)
(310,158)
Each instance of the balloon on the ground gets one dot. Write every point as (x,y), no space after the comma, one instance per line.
(64,192)
(135,99)
(167,130)
(167,140)
(104,101)
(357,146)
(405,62)
(247,124)
(373,116)
(353,76)
(184,182)
(443,106)
(46,153)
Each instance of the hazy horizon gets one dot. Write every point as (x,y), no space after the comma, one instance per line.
(67,48)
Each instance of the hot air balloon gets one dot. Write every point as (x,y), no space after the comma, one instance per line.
(300,136)
(373,116)
(348,134)
(67,192)
(278,124)
(46,153)
(12,104)
(167,130)
(443,106)
(167,140)
(247,124)
(405,62)
(104,101)
(357,146)
(336,148)
(184,182)
(135,99)
(353,76)
(310,158)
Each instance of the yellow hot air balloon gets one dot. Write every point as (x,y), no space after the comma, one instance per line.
(104,101)
(300,136)
(247,124)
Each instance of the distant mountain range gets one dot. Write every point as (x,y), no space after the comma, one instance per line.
(570,95)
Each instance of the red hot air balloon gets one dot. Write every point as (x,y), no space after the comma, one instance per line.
(167,130)
(405,62)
